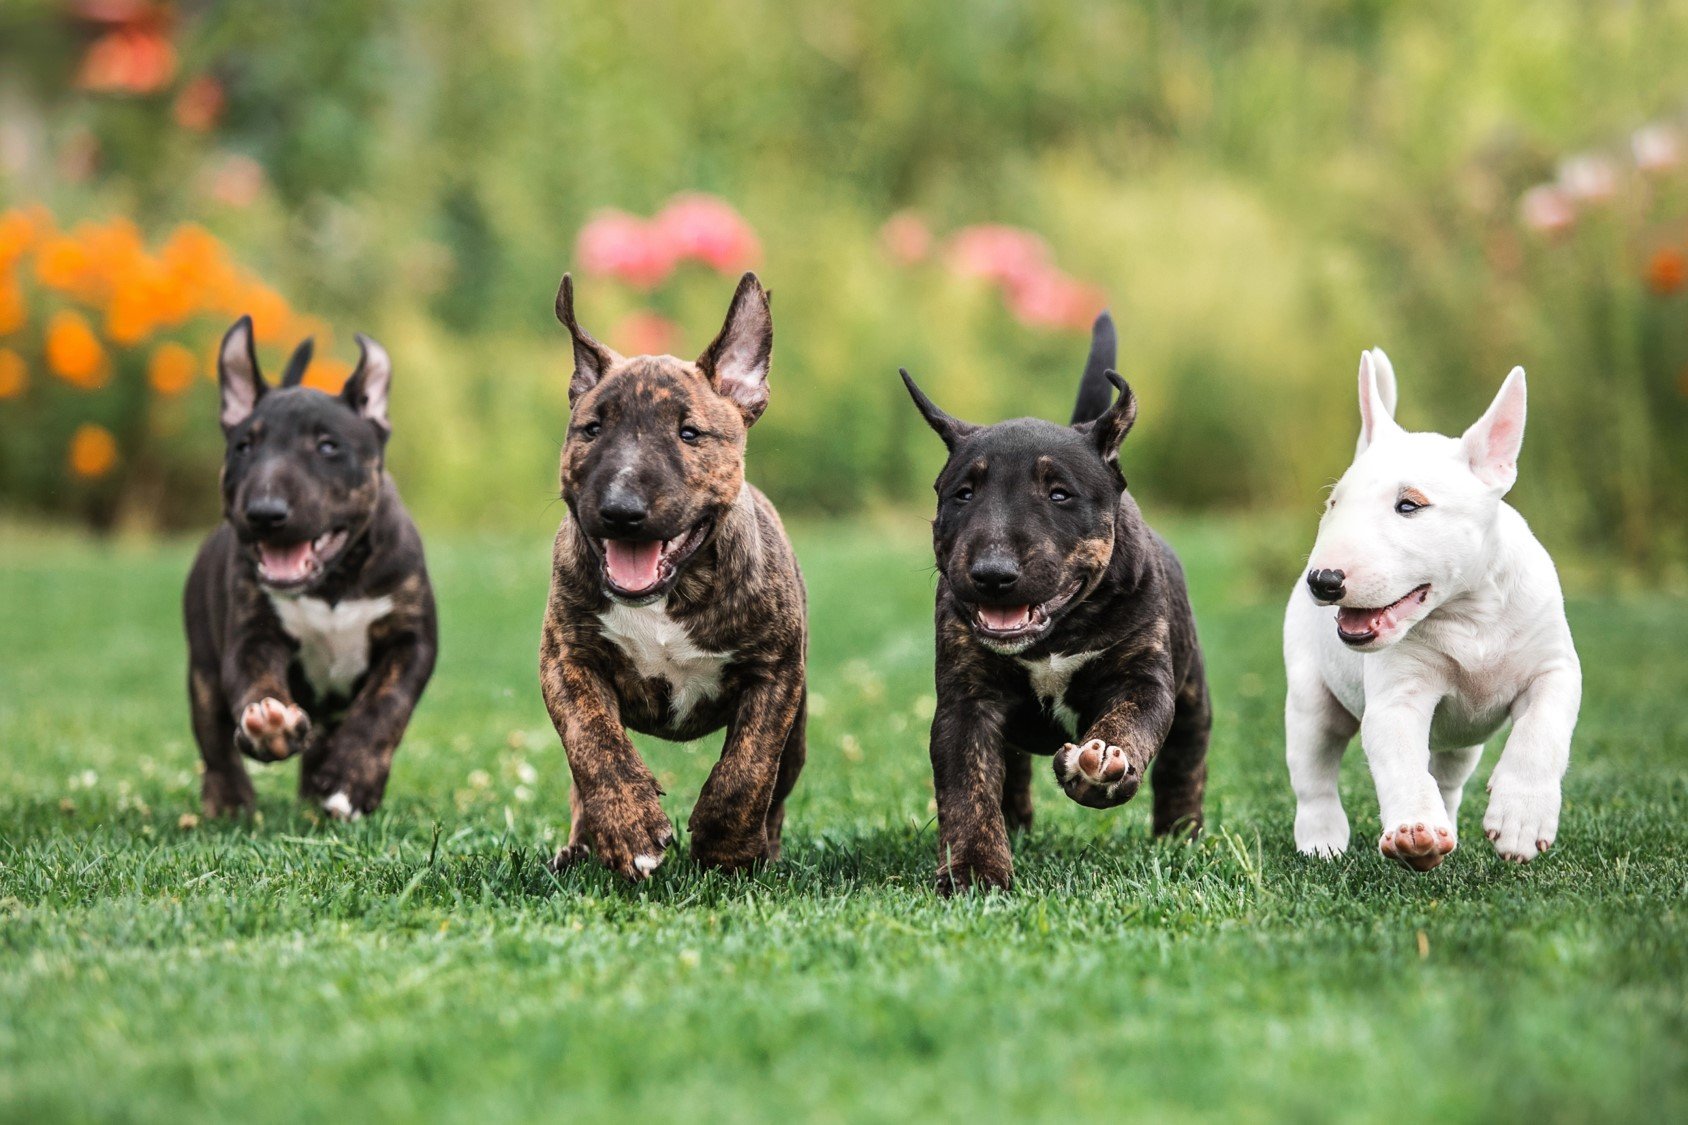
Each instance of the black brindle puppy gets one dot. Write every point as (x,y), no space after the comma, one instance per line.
(676,604)
(1063,627)
(310,620)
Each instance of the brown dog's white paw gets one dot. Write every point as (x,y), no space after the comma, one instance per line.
(1419,846)
(1097,774)
(272,730)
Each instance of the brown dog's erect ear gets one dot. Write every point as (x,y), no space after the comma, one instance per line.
(737,362)
(591,359)
(1116,421)
(366,390)
(237,374)
(952,430)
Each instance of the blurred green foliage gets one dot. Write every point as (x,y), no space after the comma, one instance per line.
(1263,189)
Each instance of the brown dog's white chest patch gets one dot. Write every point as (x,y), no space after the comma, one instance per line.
(1050,677)
(333,639)
(660,648)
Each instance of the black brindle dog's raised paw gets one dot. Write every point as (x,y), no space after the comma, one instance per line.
(1097,774)
(270,730)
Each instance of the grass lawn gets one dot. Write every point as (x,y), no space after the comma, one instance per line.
(423,963)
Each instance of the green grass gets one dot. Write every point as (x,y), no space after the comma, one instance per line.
(422,962)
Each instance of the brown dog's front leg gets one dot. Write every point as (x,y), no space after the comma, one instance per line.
(729,826)
(967,776)
(268,726)
(1106,767)
(618,811)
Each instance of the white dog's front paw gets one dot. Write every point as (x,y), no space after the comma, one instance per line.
(1522,820)
(1420,844)
(1321,829)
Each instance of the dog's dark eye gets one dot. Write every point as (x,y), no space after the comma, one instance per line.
(1060,495)
(963,494)
(591,430)
(328,447)
(689,434)
(243,445)
(1407,507)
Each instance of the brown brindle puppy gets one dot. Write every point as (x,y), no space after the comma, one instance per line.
(676,603)
(1063,628)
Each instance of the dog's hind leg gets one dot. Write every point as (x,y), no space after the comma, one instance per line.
(1179,776)
(1016,789)
(1451,769)
(1317,730)
(796,752)
(225,789)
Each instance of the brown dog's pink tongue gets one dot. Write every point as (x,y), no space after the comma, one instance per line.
(633,566)
(285,564)
(1005,616)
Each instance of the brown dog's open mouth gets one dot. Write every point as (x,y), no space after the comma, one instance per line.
(641,569)
(1019,624)
(285,566)
(1363,626)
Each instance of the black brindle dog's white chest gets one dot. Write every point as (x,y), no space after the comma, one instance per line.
(333,637)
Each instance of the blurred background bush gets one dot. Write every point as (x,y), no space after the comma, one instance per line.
(1258,191)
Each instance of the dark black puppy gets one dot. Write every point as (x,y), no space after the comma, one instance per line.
(1063,627)
(310,620)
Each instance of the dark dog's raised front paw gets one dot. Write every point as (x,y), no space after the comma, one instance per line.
(270,730)
(1097,774)
(629,836)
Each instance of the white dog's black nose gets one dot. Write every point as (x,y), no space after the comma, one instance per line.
(1326,584)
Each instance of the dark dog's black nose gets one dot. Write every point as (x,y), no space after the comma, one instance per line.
(622,511)
(266,513)
(1326,584)
(994,574)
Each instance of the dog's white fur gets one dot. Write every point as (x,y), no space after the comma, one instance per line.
(1487,644)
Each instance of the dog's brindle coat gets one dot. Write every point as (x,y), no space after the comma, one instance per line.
(713,634)
(1058,612)
(310,620)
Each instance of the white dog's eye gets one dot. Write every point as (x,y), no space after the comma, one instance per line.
(1407,507)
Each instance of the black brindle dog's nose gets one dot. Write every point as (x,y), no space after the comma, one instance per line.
(622,511)
(994,574)
(1326,584)
(266,513)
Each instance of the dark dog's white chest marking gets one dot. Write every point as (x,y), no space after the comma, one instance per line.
(333,639)
(661,649)
(1050,677)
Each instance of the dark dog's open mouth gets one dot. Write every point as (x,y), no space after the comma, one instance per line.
(1363,626)
(641,569)
(1019,625)
(289,566)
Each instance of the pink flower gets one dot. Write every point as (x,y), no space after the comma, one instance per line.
(645,333)
(906,238)
(708,230)
(1000,254)
(1588,178)
(625,247)
(1657,148)
(1049,298)
(1546,209)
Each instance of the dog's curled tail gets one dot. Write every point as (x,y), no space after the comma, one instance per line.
(1095,393)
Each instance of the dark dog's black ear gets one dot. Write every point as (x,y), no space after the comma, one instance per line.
(366,390)
(1093,390)
(237,374)
(1110,429)
(737,362)
(298,363)
(952,430)
(591,359)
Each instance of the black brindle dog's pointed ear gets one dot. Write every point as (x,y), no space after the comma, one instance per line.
(1116,421)
(952,430)
(367,389)
(298,363)
(591,359)
(736,363)
(1093,390)
(237,374)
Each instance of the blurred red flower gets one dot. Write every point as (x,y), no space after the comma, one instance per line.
(200,105)
(645,333)
(130,60)
(1667,272)
(906,238)
(1001,254)
(707,229)
(1546,209)
(1050,299)
(625,247)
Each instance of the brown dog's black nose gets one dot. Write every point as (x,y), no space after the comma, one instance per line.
(994,574)
(1326,584)
(622,511)
(266,513)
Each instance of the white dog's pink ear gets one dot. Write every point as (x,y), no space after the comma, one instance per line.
(1377,398)
(1493,441)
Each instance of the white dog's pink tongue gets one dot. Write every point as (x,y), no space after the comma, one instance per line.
(1357,621)
(1002,617)
(633,567)
(285,564)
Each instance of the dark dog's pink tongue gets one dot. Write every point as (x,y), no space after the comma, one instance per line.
(1005,616)
(285,564)
(634,567)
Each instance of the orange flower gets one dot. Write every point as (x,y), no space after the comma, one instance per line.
(269,311)
(62,263)
(17,235)
(14,374)
(13,312)
(1668,271)
(199,105)
(93,451)
(74,352)
(171,368)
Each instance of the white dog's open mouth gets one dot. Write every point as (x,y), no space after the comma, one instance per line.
(285,566)
(1363,626)
(634,569)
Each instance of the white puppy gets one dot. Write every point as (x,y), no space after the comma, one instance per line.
(1429,616)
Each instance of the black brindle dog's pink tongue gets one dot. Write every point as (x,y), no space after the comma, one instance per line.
(285,564)
(1005,616)
(633,566)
